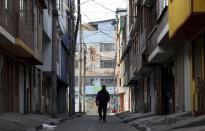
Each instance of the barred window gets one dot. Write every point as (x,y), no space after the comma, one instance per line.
(107,81)
(89,82)
(107,47)
(107,63)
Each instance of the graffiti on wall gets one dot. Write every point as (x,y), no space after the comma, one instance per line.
(91,107)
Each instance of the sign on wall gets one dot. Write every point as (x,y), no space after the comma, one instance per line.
(91,90)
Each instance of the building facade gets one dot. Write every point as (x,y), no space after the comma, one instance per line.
(27,31)
(164,56)
(122,90)
(99,42)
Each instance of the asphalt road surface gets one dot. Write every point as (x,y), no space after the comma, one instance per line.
(91,123)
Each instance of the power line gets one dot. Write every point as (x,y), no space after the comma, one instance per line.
(107,34)
(96,19)
(102,6)
(92,12)
(87,16)
(84,2)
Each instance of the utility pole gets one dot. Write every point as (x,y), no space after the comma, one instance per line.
(114,109)
(80,68)
(84,74)
(54,58)
(71,61)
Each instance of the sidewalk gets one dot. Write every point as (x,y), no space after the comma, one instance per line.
(175,122)
(29,122)
(136,116)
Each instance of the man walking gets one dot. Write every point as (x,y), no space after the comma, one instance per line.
(102,100)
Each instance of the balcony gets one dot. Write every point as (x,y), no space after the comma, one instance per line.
(160,48)
(133,78)
(142,65)
(16,35)
(186,18)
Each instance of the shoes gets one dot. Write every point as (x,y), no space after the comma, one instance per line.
(104,120)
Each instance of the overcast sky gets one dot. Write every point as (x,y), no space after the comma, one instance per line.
(95,10)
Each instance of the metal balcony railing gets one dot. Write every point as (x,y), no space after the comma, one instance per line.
(152,40)
(25,33)
(15,24)
(8,20)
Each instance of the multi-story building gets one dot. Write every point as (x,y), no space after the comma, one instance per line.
(122,90)
(188,24)
(34,41)
(57,39)
(99,39)
(21,49)
(151,56)
(165,56)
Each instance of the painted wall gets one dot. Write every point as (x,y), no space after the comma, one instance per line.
(105,33)
(178,13)
(47,42)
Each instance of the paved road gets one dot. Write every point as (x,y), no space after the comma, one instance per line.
(91,123)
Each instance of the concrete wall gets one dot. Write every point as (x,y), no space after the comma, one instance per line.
(187,79)
(92,39)
(47,42)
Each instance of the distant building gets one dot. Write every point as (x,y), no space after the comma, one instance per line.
(99,38)
(122,90)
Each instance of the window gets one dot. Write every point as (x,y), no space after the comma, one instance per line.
(107,63)
(95,26)
(21,7)
(107,81)
(61,9)
(76,64)
(58,4)
(89,82)
(76,81)
(161,6)
(49,8)
(25,10)
(107,47)
(6,4)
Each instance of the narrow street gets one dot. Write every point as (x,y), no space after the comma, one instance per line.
(141,61)
(91,123)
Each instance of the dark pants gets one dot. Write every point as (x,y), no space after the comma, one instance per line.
(102,108)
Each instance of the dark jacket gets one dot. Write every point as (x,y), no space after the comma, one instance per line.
(102,97)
